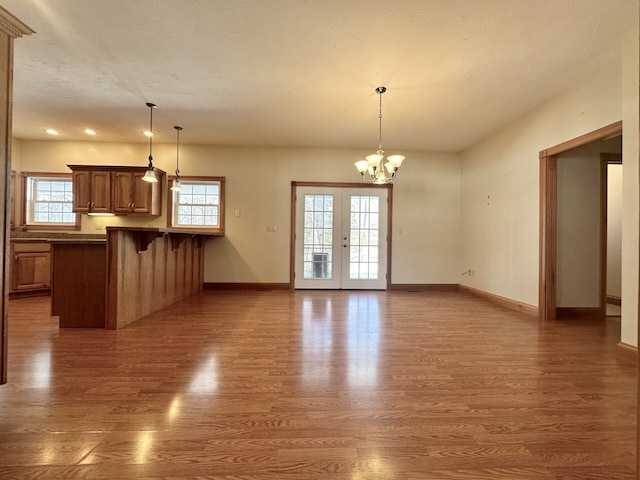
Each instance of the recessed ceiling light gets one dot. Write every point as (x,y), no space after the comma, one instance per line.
(51,131)
(89,131)
(148,134)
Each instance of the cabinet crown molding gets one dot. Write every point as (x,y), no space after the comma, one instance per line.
(13,27)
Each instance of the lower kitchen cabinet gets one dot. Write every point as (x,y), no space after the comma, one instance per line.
(30,266)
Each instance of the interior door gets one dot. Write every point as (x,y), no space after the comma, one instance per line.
(341,238)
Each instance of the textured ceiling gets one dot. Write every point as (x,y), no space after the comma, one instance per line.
(303,72)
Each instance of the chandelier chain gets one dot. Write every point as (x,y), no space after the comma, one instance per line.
(380,122)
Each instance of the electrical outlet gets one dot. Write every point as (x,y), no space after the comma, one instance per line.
(272,228)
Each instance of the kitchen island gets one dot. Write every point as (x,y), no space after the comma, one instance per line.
(135,272)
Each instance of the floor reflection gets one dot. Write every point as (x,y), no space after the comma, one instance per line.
(363,340)
(317,340)
(42,369)
(325,343)
(205,379)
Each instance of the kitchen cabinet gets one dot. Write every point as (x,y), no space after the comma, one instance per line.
(79,283)
(30,266)
(132,195)
(91,191)
(116,190)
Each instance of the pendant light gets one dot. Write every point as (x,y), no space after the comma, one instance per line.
(176,187)
(150,174)
(373,164)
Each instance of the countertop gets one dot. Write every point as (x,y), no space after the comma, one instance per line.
(24,237)
(164,231)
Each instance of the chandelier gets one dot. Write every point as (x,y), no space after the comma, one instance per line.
(379,172)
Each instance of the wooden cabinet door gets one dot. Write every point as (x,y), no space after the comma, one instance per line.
(101,192)
(142,194)
(134,196)
(122,192)
(81,191)
(31,267)
(91,191)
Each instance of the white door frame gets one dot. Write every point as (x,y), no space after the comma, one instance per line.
(294,187)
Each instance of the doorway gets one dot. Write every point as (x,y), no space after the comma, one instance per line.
(611,254)
(549,215)
(341,237)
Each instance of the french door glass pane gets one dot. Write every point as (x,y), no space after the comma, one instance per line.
(364,247)
(318,236)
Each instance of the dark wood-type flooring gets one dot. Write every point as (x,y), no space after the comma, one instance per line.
(318,385)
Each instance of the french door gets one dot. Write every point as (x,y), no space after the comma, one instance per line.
(341,238)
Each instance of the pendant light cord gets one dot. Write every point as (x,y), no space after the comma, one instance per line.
(151,107)
(177,150)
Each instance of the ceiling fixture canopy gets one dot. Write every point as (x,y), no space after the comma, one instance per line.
(176,186)
(379,172)
(150,174)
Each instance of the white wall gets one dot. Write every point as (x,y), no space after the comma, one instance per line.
(614,230)
(630,185)
(500,186)
(578,240)
(426,204)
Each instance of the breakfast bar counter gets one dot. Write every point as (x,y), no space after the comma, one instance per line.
(134,272)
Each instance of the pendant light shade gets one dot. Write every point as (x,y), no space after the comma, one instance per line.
(150,174)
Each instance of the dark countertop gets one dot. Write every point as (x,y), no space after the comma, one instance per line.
(54,236)
(77,241)
(164,231)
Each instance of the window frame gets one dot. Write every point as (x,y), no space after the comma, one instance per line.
(190,179)
(25,176)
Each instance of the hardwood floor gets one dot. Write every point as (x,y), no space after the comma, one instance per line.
(318,385)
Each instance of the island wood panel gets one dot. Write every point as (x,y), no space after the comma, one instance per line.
(143,281)
(78,286)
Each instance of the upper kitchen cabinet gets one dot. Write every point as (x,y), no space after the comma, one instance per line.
(132,195)
(91,189)
(118,190)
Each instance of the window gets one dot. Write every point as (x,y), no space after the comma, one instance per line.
(198,205)
(48,201)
